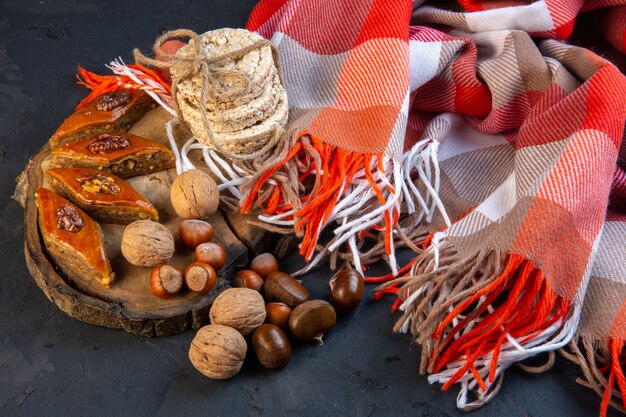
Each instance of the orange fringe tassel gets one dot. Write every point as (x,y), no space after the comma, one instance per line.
(337,168)
(100,84)
(616,374)
(530,307)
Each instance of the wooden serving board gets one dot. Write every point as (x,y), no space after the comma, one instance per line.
(128,303)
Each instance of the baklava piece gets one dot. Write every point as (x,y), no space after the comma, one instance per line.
(73,240)
(105,197)
(109,112)
(123,154)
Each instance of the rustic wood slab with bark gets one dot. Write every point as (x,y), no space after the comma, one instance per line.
(128,303)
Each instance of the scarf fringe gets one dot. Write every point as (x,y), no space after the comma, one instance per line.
(360,194)
(126,77)
(476,316)
(603,364)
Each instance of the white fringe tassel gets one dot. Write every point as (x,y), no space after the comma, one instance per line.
(348,213)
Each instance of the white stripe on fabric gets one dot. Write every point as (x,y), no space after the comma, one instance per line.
(501,201)
(611,259)
(461,138)
(532,18)
(424,58)
(311,79)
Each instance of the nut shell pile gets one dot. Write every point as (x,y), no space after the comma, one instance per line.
(271,308)
(240,122)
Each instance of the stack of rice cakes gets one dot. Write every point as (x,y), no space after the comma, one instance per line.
(244,123)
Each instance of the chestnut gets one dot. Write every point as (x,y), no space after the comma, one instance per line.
(284,288)
(278,314)
(200,277)
(311,319)
(346,289)
(248,279)
(211,253)
(271,346)
(165,280)
(193,232)
(264,264)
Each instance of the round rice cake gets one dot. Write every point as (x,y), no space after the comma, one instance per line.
(242,141)
(257,64)
(246,115)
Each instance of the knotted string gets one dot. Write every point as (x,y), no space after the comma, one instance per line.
(199,63)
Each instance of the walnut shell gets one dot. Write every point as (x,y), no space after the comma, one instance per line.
(218,351)
(147,243)
(194,195)
(242,309)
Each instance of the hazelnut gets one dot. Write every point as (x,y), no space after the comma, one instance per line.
(147,243)
(278,314)
(264,264)
(194,195)
(211,253)
(247,278)
(194,232)
(200,277)
(218,351)
(242,309)
(165,280)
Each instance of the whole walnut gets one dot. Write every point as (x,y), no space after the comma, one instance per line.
(147,243)
(218,351)
(242,309)
(194,195)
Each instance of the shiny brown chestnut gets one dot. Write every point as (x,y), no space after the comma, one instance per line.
(264,264)
(200,277)
(278,314)
(165,280)
(271,346)
(193,232)
(312,319)
(284,288)
(211,253)
(247,278)
(346,289)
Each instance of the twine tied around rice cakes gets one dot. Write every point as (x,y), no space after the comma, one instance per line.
(199,63)
(237,172)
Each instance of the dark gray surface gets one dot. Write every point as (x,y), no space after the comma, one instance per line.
(53,365)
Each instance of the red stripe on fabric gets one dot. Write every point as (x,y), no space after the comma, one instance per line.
(555,117)
(605,110)
(262,12)
(386,19)
(471,5)
(507,117)
(437,95)
(328,26)
(565,30)
(601,4)
(474,101)
(563,14)
(426,34)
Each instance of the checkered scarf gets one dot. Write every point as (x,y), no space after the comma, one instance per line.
(485,143)
(478,139)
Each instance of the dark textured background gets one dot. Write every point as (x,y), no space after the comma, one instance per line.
(53,365)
